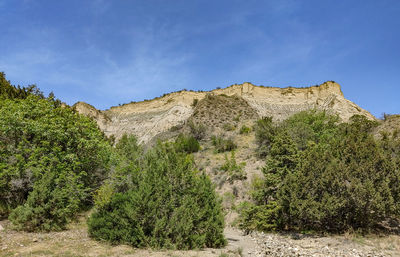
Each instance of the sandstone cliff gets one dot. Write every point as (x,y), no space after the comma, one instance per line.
(146,119)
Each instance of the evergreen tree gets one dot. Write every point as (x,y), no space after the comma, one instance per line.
(165,204)
(321,175)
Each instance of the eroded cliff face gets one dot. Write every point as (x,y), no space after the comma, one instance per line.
(102,120)
(148,118)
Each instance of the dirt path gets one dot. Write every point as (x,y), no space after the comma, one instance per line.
(244,245)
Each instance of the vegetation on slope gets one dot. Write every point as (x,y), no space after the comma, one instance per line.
(52,160)
(157,199)
(222,111)
(319,174)
(8,91)
(322,175)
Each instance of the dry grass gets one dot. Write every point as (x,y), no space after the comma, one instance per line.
(221,111)
(386,243)
(390,124)
(76,242)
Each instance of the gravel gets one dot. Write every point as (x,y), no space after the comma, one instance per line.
(302,245)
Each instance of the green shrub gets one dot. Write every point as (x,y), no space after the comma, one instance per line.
(313,125)
(54,201)
(126,159)
(234,170)
(168,205)
(265,131)
(195,102)
(176,128)
(302,127)
(283,159)
(128,147)
(357,191)
(342,178)
(259,217)
(223,145)
(198,131)
(187,144)
(245,130)
(40,140)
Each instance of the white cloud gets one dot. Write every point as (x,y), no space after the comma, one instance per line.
(153,66)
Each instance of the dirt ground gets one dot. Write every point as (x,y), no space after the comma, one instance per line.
(76,242)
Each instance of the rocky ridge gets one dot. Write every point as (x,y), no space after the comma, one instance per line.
(149,118)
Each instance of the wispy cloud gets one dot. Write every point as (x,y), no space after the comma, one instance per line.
(153,61)
(150,65)
(110,52)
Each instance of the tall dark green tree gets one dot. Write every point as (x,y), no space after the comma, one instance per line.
(265,131)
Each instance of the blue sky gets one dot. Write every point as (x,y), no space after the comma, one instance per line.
(111,52)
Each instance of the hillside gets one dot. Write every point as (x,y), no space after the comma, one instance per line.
(226,125)
(390,124)
(149,118)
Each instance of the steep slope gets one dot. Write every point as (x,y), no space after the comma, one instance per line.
(219,111)
(390,124)
(88,110)
(148,118)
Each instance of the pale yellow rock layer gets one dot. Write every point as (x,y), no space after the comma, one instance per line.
(146,119)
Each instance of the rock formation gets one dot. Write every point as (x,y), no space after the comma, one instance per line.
(148,118)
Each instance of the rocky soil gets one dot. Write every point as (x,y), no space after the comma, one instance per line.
(390,124)
(323,246)
(75,242)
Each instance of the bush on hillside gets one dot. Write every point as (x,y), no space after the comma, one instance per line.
(343,178)
(222,144)
(51,161)
(315,126)
(187,144)
(198,131)
(244,130)
(303,127)
(195,102)
(167,205)
(265,131)
(235,170)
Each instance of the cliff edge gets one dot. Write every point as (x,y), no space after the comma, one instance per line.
(148,118)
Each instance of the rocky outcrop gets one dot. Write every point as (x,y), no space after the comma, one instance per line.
(102,120)
(148,118)
(283,102)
